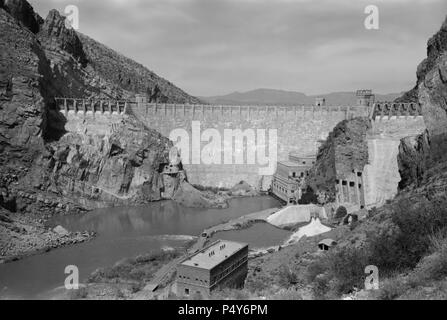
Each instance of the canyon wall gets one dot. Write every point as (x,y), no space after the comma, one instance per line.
(52,162)
(423,160)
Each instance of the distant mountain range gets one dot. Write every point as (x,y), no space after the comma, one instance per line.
(281,97)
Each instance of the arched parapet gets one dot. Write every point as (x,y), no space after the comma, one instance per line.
(92,107)
(383,111)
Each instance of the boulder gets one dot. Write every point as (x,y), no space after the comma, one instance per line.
(61,231)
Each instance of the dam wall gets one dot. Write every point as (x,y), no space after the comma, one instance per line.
(299,129)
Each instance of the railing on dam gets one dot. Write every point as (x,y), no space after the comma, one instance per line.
(84,106)
(389,110)
(246,112)
(379,111)
(103,106)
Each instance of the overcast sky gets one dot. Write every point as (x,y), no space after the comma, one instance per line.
(213,47)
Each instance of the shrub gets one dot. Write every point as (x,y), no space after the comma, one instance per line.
(286,276)
(120,294)
(341,212)
(403,249)
(347,268)
(308,197)
(338,272)
(315,268)
(80,293)
(391,288)
(321,287)
(434,266)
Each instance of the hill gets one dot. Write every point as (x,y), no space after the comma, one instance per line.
(281,97)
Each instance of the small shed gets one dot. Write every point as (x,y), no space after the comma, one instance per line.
(326,244)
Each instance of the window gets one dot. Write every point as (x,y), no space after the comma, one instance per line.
(187,291)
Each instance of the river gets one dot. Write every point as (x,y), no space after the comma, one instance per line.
(122,232)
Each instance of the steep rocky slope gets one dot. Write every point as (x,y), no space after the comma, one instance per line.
(426,156)
(131,76)
(45,170)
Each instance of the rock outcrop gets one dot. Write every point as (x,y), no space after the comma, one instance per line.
(46,169)
(40,65)
(426,156)
(23,12)
(344,151)
(56,37)
(103,170)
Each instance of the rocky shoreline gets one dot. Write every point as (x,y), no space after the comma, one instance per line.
(22,236)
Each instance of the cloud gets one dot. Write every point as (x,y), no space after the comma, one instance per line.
(211,47)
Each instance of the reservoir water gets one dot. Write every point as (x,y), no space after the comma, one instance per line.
(122,232)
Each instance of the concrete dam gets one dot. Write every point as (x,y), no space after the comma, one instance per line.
(222,145)
(246,141)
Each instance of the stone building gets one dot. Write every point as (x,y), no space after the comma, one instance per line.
(289,177)
(221,264)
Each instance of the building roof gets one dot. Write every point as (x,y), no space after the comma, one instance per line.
(328,242)
(214,254)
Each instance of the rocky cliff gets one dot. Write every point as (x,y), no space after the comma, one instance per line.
(424,157)
(46,169)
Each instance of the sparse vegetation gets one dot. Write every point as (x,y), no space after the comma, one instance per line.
(308,197)
(136,270)
(286,277)
(414,242)
(404,248)
(77,294)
